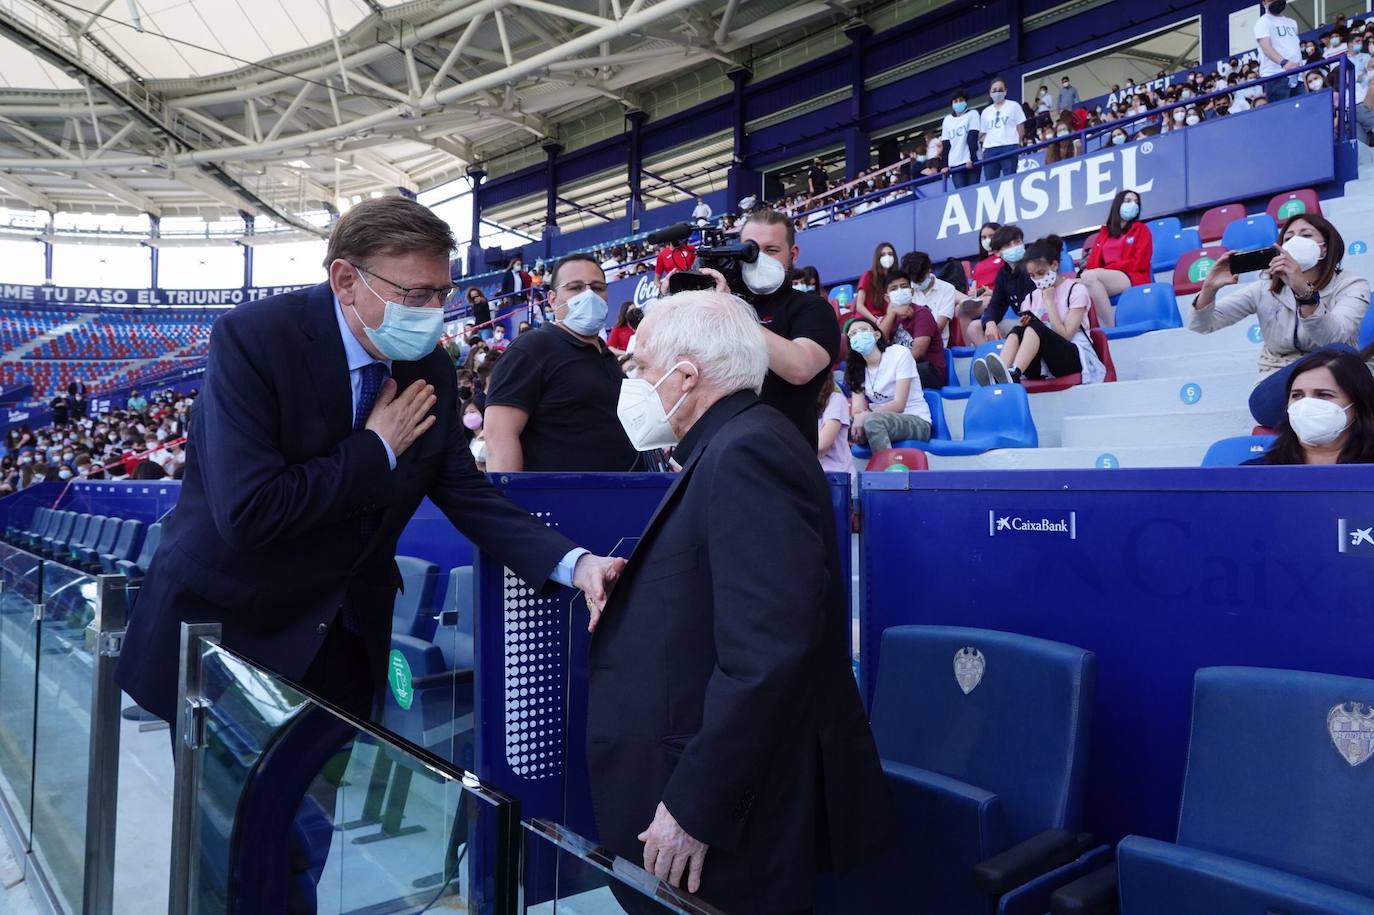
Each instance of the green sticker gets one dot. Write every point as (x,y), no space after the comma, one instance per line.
(1293,207)
(1198,272)
(398,676)
(898,468)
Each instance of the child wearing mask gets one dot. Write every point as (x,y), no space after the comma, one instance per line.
(472,422)
(1009,288)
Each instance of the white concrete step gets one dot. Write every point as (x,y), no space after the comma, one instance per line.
(1183,366)
(1121,431)
(1183,454)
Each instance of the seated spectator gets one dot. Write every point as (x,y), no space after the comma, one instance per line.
(477,442)
(1330,414)
(522,327)
(808,279)
(1009,289)
(832,420)
(939,296)
(498,338)
(1304,300)
(913,324)
(1068,145)
(868,300)
(470,388)
(1119,256)
(1051,338)
(985,270)
(885,389)
(618,340)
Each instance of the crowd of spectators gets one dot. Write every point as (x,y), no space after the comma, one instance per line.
(144,441)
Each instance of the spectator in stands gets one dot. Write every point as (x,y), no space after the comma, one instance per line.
(470,388)
(1051,339)
(1330,415)
(937,295)
(868,299)
(1068,95)
(498,338)
(618,340)
(1280,49)
(1304,301)
(477,442)
(817,180)
(1118,137)
(551,404)
(1010,288)
(675,256)
(481,311)
(515,282)
(1068,145)
(808,279)
(1118,255)
(959,134)
(1364,112)
(832,419)
(61,410)
(913,324)
(701,214)
(885,389)
(610,264)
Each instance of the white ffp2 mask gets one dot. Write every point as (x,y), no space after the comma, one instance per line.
(641,412)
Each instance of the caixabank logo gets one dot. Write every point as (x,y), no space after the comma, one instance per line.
(1356,537)
(1044,523)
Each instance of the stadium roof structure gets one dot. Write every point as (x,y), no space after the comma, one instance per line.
(282,108)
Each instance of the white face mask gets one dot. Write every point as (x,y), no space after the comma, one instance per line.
(1317,422)
(764,275)
(987,243)
(642,415)
(1305,251)
(887,260)
(1193,120)
(900,297)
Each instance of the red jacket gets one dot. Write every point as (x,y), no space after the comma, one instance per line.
(1130,253)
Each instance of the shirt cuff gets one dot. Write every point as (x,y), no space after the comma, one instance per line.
(390,455)
(563,572)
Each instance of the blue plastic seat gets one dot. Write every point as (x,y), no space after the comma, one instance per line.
(956,391)
(413,611)
(1276,813)
(1165,225)
(1232,452)
(939,427)
(1170,246)
(1367,328)
(1142,309)
(997,416)
(1250,232)
(984,740)
(124,546)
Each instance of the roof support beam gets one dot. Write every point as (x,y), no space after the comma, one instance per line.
(24,192)
(290,112)
(456,52)
(568,13)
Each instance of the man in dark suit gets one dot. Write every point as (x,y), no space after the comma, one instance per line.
(76,396)
(726,741)
(325,417)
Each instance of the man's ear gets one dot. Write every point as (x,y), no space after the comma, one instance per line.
(342,277)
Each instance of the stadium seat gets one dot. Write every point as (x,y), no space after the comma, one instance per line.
(1165,226)
(1231,452)
(124,546)
(1367,328)
(89,556)
(1142,309)
(1192,268)
(997,416)
(1291,203)
(984,740)
(134,569)
(77,547)
(1250,233)
(939,428)
(58,533)
(1215,221)
(454,634)
(1104,352)
(1277,815)
(895,459)
(955,391)
(62,547)
(1172,246)
(413,612)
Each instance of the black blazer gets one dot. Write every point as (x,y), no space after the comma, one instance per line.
(266,536)
(720,677)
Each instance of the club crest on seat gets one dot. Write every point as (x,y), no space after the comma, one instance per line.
(1351,725)
(968,668)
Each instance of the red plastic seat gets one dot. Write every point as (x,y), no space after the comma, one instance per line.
(1215,221)
(1291,203)
(1262,430)
(1186,280)
(1104,352)
(895,458)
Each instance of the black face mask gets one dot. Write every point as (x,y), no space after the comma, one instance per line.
(465,392)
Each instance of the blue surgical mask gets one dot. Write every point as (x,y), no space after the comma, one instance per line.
(925,284)
(863,344)
(405,334)
(586,313)
(1130,210)
(960,107)
(1014,255)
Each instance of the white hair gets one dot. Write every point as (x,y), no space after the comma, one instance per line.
(717,333)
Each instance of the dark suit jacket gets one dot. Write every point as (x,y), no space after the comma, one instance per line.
(266,536)
(720,674)
(508,285)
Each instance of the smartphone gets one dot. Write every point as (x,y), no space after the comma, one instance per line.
(1250,261)
(689,281)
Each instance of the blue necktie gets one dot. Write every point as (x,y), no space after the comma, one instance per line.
(373,377)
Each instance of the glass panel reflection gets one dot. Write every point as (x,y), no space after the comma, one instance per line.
(20,583)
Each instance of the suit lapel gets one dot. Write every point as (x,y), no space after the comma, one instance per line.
(325,361)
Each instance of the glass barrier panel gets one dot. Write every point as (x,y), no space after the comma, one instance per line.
(63,732)
(285,783)
(21,576)
(566,874)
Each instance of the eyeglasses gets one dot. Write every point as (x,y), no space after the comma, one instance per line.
(417,297)
(577,287)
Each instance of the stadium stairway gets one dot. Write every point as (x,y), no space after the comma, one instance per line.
(1177,392)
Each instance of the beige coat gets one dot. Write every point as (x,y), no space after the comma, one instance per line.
(1336,319)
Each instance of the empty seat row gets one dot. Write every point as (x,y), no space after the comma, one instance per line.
(92,543)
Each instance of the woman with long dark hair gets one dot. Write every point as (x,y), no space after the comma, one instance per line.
(1330,415)
(868,300)
(1118,256)
(885,389)
(618,340)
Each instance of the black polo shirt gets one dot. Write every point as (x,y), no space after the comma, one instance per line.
(569,389)
(795,315)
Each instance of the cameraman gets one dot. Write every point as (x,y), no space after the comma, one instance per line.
(803,338)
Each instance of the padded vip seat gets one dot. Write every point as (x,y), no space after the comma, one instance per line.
(1170,246)
(1142,309)
(1232,452)
(984,740)
(124,546)
(89,556)
(1277,814)
(78,546)
(60,534)
(1215,221)
(1192,268)
(135,569)
(414,611)
(1250,233)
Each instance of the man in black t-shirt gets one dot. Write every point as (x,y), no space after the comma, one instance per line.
(551,402)
(800,327)
(817,181)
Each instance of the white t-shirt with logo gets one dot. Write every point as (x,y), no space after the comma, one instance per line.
(1282,33)
(999,125)
(954,132)
(880,384)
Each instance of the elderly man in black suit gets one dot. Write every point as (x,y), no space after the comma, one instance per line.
(726,740)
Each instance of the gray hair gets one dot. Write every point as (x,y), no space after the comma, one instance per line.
(716,332)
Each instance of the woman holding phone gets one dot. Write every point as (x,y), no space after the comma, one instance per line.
(1304,299)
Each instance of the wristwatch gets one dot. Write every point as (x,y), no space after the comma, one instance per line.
(1311,298)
